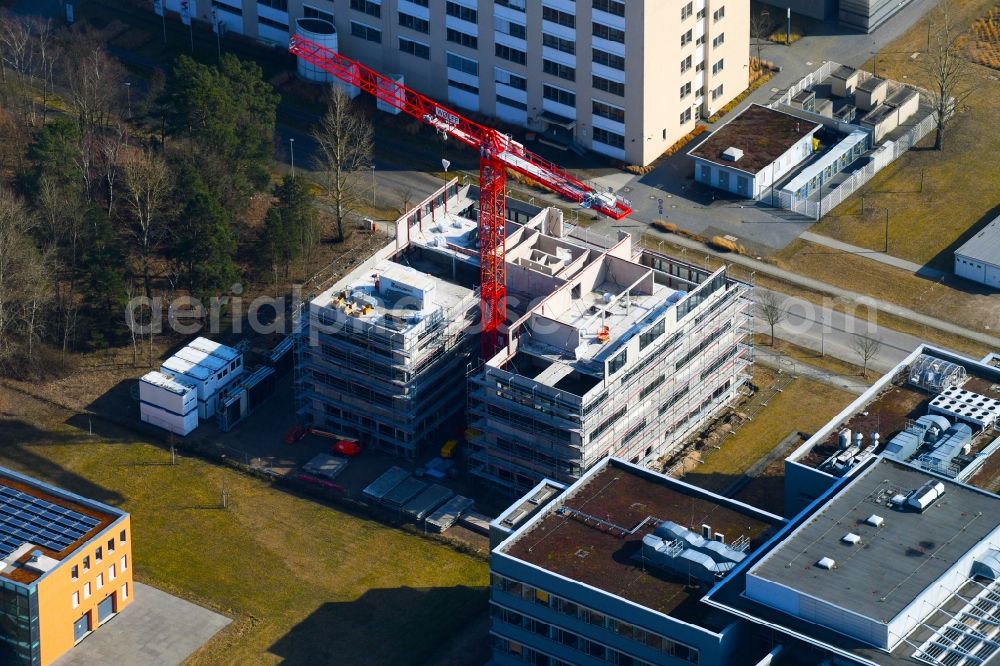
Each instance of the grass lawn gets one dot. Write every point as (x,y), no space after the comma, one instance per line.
(959,186)
(304,583)
(936,201)
(972,308)
(863,275)
(803,405)
(807,356)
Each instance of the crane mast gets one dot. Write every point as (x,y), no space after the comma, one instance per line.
(497,153)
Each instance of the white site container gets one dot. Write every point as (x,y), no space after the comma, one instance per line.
(175,423)
(168,402)
(210,371)
(166,392)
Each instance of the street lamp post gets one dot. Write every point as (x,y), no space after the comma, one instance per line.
(887,230)
(291,145)
(765,20)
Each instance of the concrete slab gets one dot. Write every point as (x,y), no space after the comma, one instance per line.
(615,181)
(157,629)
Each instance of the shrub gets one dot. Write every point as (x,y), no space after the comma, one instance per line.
(664,226)
(986,45)
(723,244)
(779,37)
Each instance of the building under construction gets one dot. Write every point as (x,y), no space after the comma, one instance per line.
(621,352)
(609,349)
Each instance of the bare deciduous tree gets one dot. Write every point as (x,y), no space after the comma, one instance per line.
(96,86)
(24,287)
(868,348)
(771,306)
(948,73)
(405,193)
(345,141)
(147,188)
(760,30)
(18,54)
(48,56)
(111,144)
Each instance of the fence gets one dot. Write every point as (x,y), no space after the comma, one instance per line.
(883,155)
(808,81)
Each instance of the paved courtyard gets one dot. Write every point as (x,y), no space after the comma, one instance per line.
(158,629)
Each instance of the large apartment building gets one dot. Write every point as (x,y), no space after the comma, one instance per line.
(625,79)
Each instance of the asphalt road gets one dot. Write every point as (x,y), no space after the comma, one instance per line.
(836,333)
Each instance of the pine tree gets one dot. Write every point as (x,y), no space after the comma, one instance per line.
(291,228)
(204,244)
(104,291)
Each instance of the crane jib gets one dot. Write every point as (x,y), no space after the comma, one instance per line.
(447,116)
(486,139)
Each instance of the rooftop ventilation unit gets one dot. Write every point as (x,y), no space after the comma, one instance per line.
(874,520)
(827,563)
(851,538)
(684,552)
(968,406)
(732,154)
(925,495)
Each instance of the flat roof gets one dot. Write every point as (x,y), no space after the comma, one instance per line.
(214,348)
(625,495)
(892,403)
(621,321)
(762,133)
(871,83)
(844,72)
(985,245)
(892,564)
(179,385)
(396,310)
(51,520)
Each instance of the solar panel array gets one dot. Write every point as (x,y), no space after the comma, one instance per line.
(26,518)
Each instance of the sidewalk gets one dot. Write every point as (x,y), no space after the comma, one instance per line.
(784,363)
(888,259)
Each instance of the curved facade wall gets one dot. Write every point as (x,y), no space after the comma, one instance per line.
(323,33)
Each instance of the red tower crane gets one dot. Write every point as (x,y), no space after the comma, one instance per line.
(497,153)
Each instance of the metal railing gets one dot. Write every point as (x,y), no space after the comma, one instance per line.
(888,152)
(883,156)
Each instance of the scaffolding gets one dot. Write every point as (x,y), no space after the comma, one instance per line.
(385,380)
(530,430)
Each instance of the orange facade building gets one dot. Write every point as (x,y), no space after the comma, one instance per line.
(65,568)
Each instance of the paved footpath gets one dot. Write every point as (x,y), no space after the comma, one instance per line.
(851,384)
(888,259)
(824,288)
(157,629)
